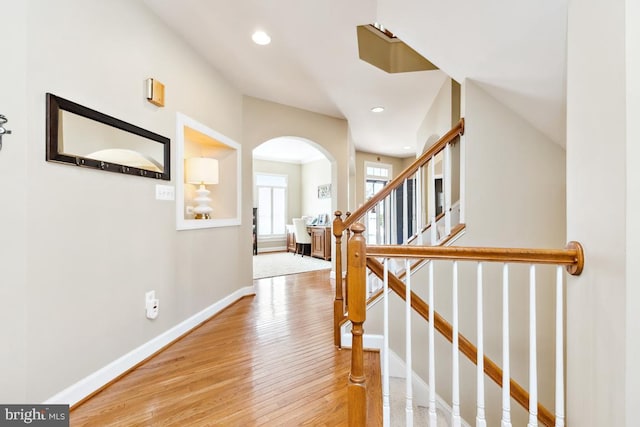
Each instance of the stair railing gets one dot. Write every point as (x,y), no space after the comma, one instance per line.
(360,256)
(418,225)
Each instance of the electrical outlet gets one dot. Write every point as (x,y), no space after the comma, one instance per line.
(165,192)
(151,304)
(149,297)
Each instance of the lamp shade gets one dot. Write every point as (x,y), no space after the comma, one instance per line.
(202,170)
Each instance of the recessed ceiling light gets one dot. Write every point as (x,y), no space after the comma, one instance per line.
(261,38)
(377,109)
(407,147)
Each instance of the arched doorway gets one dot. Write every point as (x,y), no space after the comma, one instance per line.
(292,178)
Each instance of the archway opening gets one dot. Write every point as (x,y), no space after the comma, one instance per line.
(292,178)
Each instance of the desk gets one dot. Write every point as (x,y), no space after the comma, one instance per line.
(320,241)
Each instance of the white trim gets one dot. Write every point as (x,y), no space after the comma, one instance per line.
(271,249)
(386,166)
(83,388)
(369,341)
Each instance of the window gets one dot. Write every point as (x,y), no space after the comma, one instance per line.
(376,176)
(272,204)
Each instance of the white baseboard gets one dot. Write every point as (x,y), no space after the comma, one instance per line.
(83,388)
(369,341)
(271,249)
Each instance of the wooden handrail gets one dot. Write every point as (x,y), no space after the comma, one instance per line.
(416,264)
(341,225)
(572,256)
(457,130)
(493,371)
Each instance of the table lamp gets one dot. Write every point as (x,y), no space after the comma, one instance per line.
(202,171)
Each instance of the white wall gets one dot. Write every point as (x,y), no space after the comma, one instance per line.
(515,198)
(602,141)
(97,241)
(315,174)
(13,204)
(632,368)
(437,120)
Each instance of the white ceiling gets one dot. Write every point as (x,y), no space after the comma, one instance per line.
(287,149)
(515,50)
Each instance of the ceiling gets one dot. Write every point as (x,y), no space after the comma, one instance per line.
(289,150)
(516,52)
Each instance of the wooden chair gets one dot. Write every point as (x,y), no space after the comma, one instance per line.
(303,238)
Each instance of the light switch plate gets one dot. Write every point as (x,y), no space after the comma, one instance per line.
(165,192)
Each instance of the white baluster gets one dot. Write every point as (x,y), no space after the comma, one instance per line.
(480,416)
(388,208)
(432,201)
(409,367)
(393,217)
(506,374)
(386,402)
(559,350)
(447,188)
(455,398)
(462,168)
(405,211)
(432,352)
(419,201)
(533,361)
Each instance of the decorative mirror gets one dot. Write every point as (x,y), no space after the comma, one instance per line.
(84,137)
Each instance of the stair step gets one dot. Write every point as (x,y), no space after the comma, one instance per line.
(397,393)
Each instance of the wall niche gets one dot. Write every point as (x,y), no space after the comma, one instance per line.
(195,140)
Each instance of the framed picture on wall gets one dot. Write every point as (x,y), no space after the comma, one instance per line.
(324,191)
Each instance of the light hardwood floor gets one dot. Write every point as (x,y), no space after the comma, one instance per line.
(266,360)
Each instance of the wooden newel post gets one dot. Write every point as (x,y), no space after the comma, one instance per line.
(338,303)
(356,271)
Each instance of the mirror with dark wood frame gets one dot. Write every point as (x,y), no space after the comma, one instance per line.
(84,137)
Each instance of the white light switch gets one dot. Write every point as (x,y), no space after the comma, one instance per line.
(165,192)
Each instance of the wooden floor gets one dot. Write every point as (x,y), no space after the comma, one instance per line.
(266,360)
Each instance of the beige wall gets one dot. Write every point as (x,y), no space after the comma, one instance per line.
(603,336)
(632,369)
(315,174)
(437,121)
(96,242)
(13,205)
(515,198)
(264,120)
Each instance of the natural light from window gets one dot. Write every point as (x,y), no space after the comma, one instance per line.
(272,204)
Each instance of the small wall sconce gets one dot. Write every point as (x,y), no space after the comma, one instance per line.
(155,92)
(202,171)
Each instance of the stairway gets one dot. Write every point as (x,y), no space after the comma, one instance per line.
(397,389)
